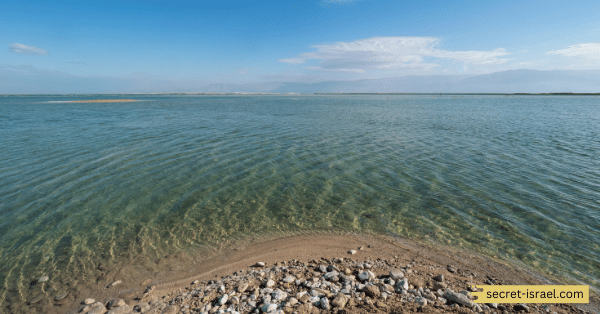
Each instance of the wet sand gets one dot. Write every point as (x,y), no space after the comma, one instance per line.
(177,272)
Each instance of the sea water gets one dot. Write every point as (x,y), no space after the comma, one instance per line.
(86,186)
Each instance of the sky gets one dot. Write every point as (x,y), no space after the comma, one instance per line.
(130,46)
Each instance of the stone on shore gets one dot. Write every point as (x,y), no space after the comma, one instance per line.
(340,300)
(259,264)
(439,278)
(458,298)
(372,291)
(223,299)
(396,274)
(352,252)
(324,303)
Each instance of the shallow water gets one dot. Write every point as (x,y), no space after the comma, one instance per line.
(86,185)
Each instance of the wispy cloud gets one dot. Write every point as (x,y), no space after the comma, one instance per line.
(27,50)
(589,50)
(380,53)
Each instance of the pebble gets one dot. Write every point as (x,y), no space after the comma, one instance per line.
(259,264)
(396,274)
(421,301)
(458,298)
(269,283)
(124,309)
(324,302)
(439,278)
(43,279)
(118,282)
(352,252)
(89,301)
(269,307)
(521,307)
(372,291)
(340,300)
(451,269)
(97,308)
(366,275)
(223,299)
(60,296)
(36,299)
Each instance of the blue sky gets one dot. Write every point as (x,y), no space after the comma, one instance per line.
(80,46)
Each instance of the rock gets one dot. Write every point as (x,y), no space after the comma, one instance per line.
(142,307)
(352,252)
(324,303)
(421,301)
(42,279)
(372,291)
(340,300)
(171,309)
(89,301)
(223,299)
(521,307)
(124,309)
(439,285)
(370,246)
(115,303)
(396,274)
(118,282)
(366,275)
(269,283)
(331,274)
(269,307)
(367,266)
(304,298)
(36,299)
(242,287)
(97,308)
(322,268)
(349,278)
(332,268)
(380,304)
(259,264)
(388,288)
(360,248)
(439,278)
(458,298)
(402,284)
(278,295)
(494,305)
(59,296)
(315,300)
(289,279)
(451,269)
(292,301)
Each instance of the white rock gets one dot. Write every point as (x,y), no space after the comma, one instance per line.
(292,301)
(259,264)
(269,307)
(43,279)
(396,274)
(403,284)
(270,283)
(289,279)
(89,301)
(278,295)
(421,301)
(223,299)
(366,275)
(352,252)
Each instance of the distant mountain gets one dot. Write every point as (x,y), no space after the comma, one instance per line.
(515,81)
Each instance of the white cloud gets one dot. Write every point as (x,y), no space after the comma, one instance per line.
(27,50)
(292,60)
(589,50)
(380,53)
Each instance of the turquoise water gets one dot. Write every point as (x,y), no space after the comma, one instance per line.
(86,185)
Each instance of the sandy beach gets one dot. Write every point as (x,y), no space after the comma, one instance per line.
(188,286)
